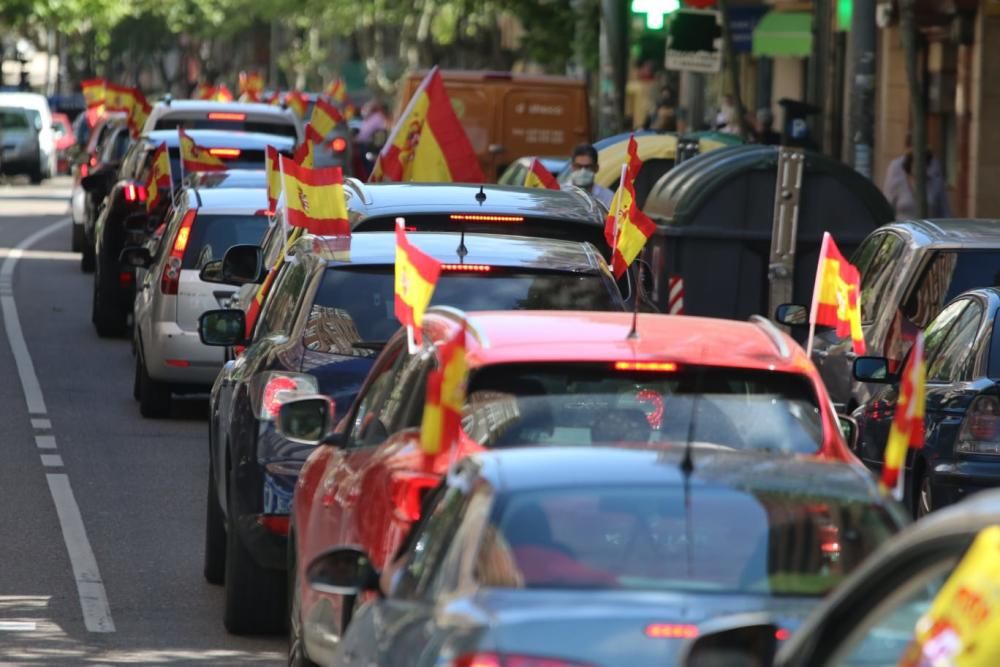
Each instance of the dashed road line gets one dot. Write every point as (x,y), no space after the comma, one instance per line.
(41,424)
(52,461)
(45,441)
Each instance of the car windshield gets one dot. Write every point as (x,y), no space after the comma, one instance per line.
(13,119)
(212,235)
(281,128)
(357,303)
(666,538)
(582,404)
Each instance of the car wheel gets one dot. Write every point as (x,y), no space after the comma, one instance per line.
(215,535)
(296,649)
(255,596)
(77,242)
(154,397)
(107,321)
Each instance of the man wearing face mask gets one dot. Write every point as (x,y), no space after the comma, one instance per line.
(584,168)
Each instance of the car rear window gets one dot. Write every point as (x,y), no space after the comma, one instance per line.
(584,404)
(212,235)
(640,538)
(947,275)
(356,303)
(13,119)
(281,128)
(248,159)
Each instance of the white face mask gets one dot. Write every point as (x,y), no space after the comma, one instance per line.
(582,178)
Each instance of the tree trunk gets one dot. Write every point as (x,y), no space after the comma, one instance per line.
(908,26)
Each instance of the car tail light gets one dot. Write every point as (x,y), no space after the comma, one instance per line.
(671,631)
(781,634)
(135,193)
(224,152)
(226,115)
(339,145)
(509,660)
(269,390)
(407,491)
(170,279)
(980,432)
(93,160)
(178,363)
(467,268)
(657,366)
(84,170)
(479,217)
(274,523)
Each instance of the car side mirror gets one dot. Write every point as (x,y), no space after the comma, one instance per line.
(242,264)
(307,420)
(211,272)
(136,256)
(791,314)
(137,222)
(872,369)
(744,640)
(342,571)
(222,328)
(849,429)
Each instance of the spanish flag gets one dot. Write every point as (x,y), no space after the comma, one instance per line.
(297,102)
(253,310)
(274,99)
(428,143)
(273,172)
(251,86)
(627,228)
(314,198)
(203,92)
(416,275)
(222,93)
(540,177)
(325,117)
(161,182)
(195,157)
(908,421)
(305,154)
(119,98)
(93,92)
(337,91)
(441,425)
(837,294)
(138,113)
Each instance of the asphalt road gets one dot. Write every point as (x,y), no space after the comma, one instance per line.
(120,581)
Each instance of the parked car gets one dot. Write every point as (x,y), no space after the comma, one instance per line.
(517,171)
(582,556)
(88,159)
(65,140)
(540,379)
(202,224)
(330,310)
(252,117)
(40,117)
(99,182)
(962,408)
(19,149)
(872,616)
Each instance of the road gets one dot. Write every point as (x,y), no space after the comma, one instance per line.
(119,581)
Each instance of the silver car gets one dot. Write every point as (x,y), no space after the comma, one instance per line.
(19,149)
(171,294)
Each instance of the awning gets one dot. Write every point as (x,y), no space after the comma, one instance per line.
(783,34)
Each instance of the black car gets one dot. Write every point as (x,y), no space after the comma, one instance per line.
(113,142)
(329,312)
(961,452)
(124,212)
(576,556)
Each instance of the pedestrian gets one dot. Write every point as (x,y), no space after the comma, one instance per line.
(374,119)
(663,117)
(899,186)
(765,133)
(584,168)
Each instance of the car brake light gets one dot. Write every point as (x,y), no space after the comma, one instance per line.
(224,152)
(226,115)
(270,390)
(93,160)
(84,170)
(781,634)
(478,217)
(657,366)
(467,268)
(508,660)
(178,363)
(671,631)
(339,145)
(980,432)
(124,279)
(407,491)
(170,279)
(274,523)
(135,193)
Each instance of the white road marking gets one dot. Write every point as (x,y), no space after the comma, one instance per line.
(42,254)
(18,626)
(89,585)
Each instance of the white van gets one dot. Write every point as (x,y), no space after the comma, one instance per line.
(41,117)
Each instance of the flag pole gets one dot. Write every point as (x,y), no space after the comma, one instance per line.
(816,288)
(283,196)
(180,138)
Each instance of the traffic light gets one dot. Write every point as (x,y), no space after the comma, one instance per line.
(655,10)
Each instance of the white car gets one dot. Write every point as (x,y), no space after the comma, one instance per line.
(38,163)
(236,116)
(171,295)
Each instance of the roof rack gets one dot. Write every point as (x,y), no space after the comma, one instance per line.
(772,332)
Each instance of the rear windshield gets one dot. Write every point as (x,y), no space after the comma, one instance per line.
(563,404)
(248,159)
(212,235)
(13,119)
(640,538)
(361,300)
(280,128)
(948,275)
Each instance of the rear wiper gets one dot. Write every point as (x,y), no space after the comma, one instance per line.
(376,345)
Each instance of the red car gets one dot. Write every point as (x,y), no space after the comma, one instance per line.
(543,379)
(65,140)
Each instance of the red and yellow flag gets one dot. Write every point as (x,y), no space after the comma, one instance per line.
(118,98)
(138,113)
(908,421)
(273,173)
(93,92)
(305,154)
(203,92)
(627,228)
(161,182)
(337,91)
(540,177)
(428,143)
(253,310)
(416,275)
(314,198)
(251,86)
(325,117)
(222,93)
(441,425)
(195,157)
(297,102)
(837,294)
(274,99)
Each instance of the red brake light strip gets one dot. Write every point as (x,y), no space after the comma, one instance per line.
(478,217)
(660,366)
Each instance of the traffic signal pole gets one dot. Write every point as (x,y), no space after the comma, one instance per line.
(614,66)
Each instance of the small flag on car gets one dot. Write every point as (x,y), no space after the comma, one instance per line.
(837,295)
(540,177)
(197,158)
(161,181)
(908,422)
(314,198)
(627,228)
(416,275)
(441,425)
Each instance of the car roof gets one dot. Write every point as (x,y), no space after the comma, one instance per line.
(567,336)
(223,139)
(950,232)
(228,200)
(385,199)
(30,100)
(538,468)
(491,249)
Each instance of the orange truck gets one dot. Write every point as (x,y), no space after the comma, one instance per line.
(508,116)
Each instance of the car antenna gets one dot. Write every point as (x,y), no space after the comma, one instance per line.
(481,195)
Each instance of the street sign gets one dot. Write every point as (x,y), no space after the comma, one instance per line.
(694,41)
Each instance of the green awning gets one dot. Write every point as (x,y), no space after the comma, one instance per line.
(783,34)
